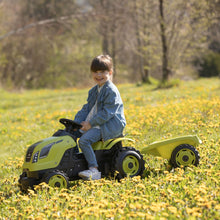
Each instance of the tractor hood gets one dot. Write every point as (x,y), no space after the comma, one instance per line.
(47,153)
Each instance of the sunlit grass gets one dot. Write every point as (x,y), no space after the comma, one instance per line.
(152,115)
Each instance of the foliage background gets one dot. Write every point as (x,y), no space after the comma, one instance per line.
(50,43)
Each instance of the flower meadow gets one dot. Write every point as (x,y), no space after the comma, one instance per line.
(152,115)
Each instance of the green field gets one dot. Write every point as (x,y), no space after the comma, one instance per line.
(152,115)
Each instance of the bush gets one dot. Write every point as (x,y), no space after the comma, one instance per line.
(209,65)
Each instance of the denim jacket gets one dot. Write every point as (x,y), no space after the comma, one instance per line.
(110,111)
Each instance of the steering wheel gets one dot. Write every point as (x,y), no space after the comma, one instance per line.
(70,124)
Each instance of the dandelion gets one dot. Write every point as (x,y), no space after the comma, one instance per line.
(56,215)
(120,211)
(170,191)
(31,193)
(165,214)
(110,215)
(141,186)
(179,201)
(25,198)
(40,216)
(155,186)
(172,209)
(132,206)
(193,211)
(217,207)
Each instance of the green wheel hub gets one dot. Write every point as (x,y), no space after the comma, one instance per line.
(185,157)
(128,162)
(58,181)
(130,165)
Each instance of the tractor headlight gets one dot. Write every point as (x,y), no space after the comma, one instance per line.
(45,150)
(35,157)
(30,151)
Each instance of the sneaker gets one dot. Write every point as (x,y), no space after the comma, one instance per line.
(91,174)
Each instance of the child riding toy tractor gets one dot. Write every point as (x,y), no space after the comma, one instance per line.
(57,160)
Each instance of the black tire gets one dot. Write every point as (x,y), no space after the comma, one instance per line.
(184,155)
(25,183)
(128,162)
(56,179)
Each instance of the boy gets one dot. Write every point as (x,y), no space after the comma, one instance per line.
(102,117)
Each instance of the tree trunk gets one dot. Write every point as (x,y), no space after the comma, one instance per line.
(144,72)
(104,28)
(165,70)
(139,44)
(113,40)
(105,44)
(146,44)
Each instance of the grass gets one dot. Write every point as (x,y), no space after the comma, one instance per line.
(192,193)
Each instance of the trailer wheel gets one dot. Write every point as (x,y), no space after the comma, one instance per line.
(56,179)
(128,162)
(184,155)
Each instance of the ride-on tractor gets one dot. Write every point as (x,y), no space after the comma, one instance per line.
(57,160)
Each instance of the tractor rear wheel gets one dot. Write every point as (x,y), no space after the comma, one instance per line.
(184,155)
(128,162)
(56,179)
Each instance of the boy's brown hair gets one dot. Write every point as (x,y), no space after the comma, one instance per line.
(102,63)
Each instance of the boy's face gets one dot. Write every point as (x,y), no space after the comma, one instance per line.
(101,77)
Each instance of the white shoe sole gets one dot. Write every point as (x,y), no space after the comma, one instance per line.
(95,176)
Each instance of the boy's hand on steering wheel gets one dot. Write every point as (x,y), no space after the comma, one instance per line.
(85,126)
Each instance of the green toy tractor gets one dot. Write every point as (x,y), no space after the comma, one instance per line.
(57,160)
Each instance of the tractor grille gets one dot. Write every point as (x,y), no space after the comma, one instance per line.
(30,151)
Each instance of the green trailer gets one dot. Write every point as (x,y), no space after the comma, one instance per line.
(180,151)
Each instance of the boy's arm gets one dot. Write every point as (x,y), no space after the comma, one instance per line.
(81,115)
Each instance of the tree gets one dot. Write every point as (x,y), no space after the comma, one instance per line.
(143,61)
(39,54)
(165,70)
(108,15)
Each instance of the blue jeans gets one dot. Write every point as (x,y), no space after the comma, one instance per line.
(85,143)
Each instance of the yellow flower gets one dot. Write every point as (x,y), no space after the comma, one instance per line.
(172,209)
(193,211)
(141,214)
(31,192)
(155,186)
(217,207)
(141,186)
(165,214)
(132,206)
(120,211)
(170,191)
(155,208)
(179,201)
(25,198)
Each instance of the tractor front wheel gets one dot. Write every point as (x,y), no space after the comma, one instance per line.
(184,155)
(128,162)
(56,179)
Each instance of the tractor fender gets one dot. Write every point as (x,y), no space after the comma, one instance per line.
(106,145)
